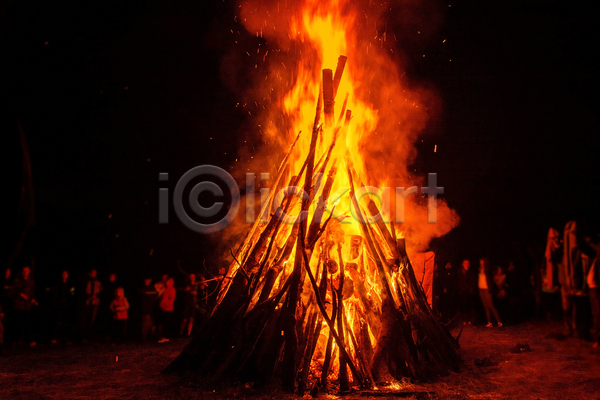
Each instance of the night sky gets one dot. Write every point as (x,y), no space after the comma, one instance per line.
(111,93)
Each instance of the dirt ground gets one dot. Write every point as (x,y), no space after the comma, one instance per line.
(553,369)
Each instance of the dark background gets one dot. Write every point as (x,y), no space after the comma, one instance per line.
(110,93)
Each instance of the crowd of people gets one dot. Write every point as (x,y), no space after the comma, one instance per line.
(570,281)
(469,293)
(98,310)
(564,284)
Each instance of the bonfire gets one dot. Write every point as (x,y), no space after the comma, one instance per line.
(321,291)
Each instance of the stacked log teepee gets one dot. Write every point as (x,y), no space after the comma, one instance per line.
(271,323)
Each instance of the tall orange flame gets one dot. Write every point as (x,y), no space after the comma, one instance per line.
(387,113)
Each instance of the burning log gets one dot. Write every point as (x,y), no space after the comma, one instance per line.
(244,247)
(328,97)
(275,270)
(339,70)
(314,332)
(343,373)
(336,337)
(366,311)
(329,347)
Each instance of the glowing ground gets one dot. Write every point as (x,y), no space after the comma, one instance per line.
(553,369)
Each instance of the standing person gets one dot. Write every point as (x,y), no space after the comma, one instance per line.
(91,302)
(158,315)
(448,295)
(61,303)
(466,293)
(550,290)
(149,296)
(167,310)
(500,292)
(23,290)
(485,286)
(119,307)
(572,278)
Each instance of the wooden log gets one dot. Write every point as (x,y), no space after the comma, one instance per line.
(267,355)
(244,247)
(339,129)
(360,356)
(404,322)
(265,259)
(379,363)
(320,209)
(371,313)
(196,355)
(288,317)
(268,235)
(406,350)
(343,112)
(328,97)
(263,361)
(387,345)
(312,341)
(369,240)
(373,210)
(275,270)
(307,332)
(338,134)
(325,316)
(310,349)
(288,202)
(289,312)
(366,346)
(339,71)
(253,325)
(329,347)
(343,374)
(251,265)
(438,339)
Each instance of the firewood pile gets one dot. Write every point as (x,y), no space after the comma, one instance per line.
(311,306)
